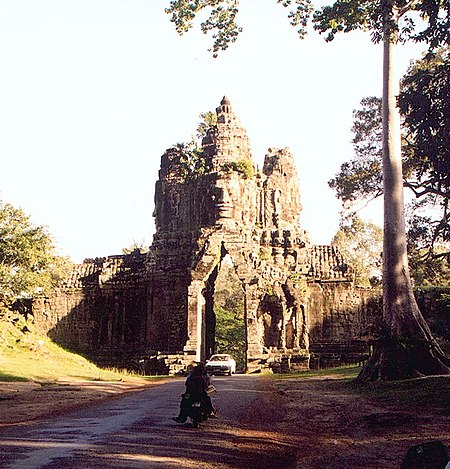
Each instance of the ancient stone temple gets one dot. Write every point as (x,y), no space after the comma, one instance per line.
(299,300)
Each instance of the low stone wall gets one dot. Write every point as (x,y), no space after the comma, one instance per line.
(105,324)
(108,325)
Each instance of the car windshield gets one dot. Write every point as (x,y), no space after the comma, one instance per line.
(219,358)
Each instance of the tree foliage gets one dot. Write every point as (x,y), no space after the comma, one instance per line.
(420,21)
(28,260)
(406,347)
(208,121)
(230,334)
(361,242)
(425,105)
(192,160)
(428,246)
(424,102)
(360,178)
(221,18)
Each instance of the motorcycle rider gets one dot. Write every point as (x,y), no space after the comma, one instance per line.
(196,384)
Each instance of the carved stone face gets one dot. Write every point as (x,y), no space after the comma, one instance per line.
(224,203)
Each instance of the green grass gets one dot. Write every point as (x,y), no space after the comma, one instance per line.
(47,363)
(430,391)
(32,357)
(342,372)
(6,377)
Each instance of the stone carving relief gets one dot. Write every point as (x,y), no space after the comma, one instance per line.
(297,295)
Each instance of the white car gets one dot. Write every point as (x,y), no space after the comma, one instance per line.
(221,363)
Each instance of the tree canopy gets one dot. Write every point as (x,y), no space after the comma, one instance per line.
(361,242)
(360,179)
(421,21)
(28,260)
(425,104)
(221,20)
(406,347)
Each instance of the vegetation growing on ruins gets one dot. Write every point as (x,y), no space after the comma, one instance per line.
(136,248)
(264,253)
(406,347)
(242,166)
(208,121)
(300,282)
(192,160)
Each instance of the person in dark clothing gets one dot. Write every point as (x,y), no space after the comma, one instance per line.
(196,385)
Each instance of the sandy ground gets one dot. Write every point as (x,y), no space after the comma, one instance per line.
(29,401)
(333,427)
(318,422)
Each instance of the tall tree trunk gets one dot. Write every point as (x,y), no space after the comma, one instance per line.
(406,347)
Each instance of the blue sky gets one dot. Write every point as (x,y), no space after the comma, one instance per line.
(92,92)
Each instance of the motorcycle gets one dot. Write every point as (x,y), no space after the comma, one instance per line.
(197,413)
(195,409)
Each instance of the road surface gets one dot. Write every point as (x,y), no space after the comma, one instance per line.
(137,431)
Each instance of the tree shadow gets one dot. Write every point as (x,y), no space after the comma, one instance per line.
(6,377)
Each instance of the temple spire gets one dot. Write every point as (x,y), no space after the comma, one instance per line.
(224,108)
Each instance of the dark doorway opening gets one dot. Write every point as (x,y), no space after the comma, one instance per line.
(225,329)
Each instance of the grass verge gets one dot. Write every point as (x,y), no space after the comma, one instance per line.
(427,392)
(342,372)
(28,356)
(431,392)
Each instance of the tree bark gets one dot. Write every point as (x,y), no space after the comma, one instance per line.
(406,348)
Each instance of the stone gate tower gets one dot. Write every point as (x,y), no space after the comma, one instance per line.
(299,299)
(254,217)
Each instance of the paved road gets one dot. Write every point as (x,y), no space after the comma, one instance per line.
(136,431)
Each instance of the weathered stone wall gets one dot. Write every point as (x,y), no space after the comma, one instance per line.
(340,313)
(434,303)
(100,311)
(341,320)
(298,297)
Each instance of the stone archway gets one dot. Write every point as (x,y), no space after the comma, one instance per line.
(224,327)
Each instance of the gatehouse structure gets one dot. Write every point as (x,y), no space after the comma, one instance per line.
(300,304)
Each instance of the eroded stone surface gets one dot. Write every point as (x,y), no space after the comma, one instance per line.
(298,297)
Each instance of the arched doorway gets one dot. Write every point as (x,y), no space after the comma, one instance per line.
(224,328)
